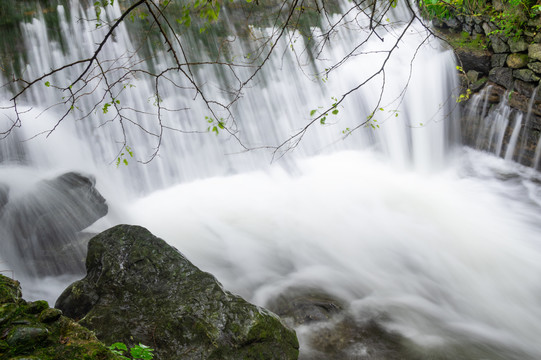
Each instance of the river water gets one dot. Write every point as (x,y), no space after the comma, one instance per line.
(396,219)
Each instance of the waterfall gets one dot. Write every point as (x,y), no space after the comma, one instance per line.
(499,128)
(397,220)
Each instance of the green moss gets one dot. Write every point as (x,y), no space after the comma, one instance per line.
(466,41)
(10,291)
(35,331)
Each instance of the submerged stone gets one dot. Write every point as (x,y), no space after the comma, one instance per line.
(40,228)
(140,289)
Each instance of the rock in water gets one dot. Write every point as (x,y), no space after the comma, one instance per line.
(140,289)
(40,228)
(4,191)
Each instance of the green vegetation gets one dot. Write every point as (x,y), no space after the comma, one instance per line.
(139,351)
(32,330)
(509,16)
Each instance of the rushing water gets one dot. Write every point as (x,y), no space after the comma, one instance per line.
(397,220)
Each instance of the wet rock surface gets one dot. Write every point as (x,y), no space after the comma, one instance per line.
(40,229)
(139,289)
(333,333)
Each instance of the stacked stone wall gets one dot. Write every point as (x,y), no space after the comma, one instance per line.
(508,67)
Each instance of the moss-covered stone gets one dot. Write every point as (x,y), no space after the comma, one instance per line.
(517,61)
(37,307)
(49,315)
(10,290)
(526,75)
(534,51)
(35,331)
(140,289)
(535,67)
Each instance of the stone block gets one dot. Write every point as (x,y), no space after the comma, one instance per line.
(534,51)
(498,60)
(502,76)
(517,45)
(488,28)
(517,61)
(525,75)
(535,67)
(499,46)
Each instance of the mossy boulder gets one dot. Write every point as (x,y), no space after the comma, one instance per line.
(140,289)
(32,330)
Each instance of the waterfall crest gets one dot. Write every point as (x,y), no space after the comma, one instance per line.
(275,107)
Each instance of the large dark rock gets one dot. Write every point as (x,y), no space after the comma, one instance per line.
(40,228)
(139,289)
(32,330)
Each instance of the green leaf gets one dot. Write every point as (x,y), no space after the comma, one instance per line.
(142,352)
(322,120)
(47,83)
(313,112)
(118,346)
(335,111)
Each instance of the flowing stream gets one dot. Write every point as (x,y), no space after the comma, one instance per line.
(398,220)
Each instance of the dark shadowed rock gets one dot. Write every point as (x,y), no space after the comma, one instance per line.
(502,76)
(139,289)
(40,228)
(478,60)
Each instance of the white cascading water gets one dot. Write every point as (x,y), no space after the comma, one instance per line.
(444,243)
